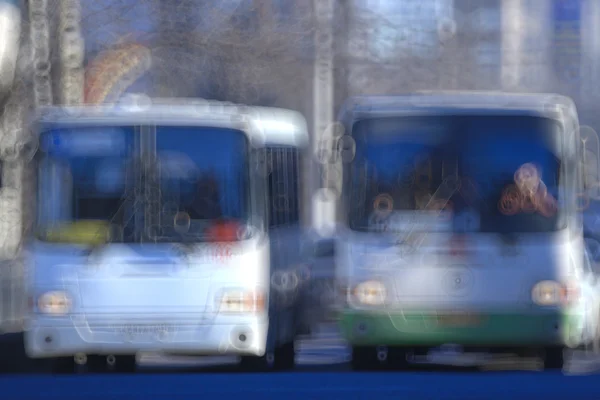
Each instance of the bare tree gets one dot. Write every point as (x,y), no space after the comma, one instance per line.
(245,53)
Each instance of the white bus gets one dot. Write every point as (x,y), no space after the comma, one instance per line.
(460,225)
(155,233)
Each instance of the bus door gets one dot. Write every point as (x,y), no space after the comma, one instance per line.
(285,233)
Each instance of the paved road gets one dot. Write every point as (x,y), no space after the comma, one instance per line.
(322,373)
(380,386)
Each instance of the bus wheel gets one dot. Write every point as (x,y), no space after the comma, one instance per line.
(554,357)
(364,358)
(285,357)
(121,364)
(254,363)
(100,364)
(398,356)
(96,364)
(63,365)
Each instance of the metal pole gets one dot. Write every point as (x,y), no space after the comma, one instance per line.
(10,31)
(323,103)
(72,52)
(513,25)
(590,47)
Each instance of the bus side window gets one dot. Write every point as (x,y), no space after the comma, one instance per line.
(283,186)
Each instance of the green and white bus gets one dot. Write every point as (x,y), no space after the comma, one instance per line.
(460,225)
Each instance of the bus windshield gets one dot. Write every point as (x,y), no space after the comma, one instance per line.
(156,184)
(204,178)
(464,173)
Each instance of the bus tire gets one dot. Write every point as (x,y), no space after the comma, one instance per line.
(364,358)
(63,365)
(123,364)
(254,363)
(285,357)
(554,357)
(96,364)
(398,357)
(126,364)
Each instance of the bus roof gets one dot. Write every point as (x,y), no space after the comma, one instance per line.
(263,125)
(458,102)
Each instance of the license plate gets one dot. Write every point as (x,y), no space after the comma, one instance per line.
(459,319)
(142,330)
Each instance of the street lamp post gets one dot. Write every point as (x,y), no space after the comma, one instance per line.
(72,52)
(323,214)
(513,25)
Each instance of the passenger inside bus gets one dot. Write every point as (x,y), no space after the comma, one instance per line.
(409,163)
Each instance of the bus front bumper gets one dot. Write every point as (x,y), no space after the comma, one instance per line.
(427,328)
(122,335)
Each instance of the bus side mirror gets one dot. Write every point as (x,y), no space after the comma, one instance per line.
(590,151)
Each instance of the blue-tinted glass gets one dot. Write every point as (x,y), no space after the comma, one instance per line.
(204,171)
(409,158)
(82,172)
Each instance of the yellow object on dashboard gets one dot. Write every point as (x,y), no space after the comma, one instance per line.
(90,232)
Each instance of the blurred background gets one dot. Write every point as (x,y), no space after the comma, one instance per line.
(307,55)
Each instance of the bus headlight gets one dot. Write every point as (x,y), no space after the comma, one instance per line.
(372,293)
(55,303)
(550,293)
(242,301)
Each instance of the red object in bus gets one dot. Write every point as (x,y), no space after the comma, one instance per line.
(223,231)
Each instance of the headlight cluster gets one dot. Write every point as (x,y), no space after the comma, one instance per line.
(54,303)
(551,293)
(242,301)
(370,293)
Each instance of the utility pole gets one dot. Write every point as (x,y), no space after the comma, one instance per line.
(513,25)
(72,53)
(323,210)
(526,47)
(590,44)
(342,20)
(10,32)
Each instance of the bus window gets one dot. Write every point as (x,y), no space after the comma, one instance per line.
(80,179)
(399,159)
(204,183)
(503,154)
(409,162)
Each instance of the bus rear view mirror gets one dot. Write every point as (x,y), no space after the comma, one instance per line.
(590,161)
